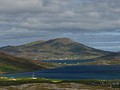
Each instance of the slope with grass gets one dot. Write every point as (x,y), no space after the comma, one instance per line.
(10,64)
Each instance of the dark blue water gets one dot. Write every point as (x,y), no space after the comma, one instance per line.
(76,73)
(67,61)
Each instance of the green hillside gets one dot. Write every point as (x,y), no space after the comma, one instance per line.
(10,64)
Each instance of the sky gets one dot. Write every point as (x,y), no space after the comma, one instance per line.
(95,23)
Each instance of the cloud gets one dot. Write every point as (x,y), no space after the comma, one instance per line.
(30,6)
(59,18)
(65,14)
(18,6)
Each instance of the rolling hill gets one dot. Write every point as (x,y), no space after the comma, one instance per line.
(113,58)
(10,64)
(59,48)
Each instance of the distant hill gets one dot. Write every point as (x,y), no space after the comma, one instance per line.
(64,48)
(109,59)
(112,56)
(10,64)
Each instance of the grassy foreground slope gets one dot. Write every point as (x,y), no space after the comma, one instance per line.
(10,64)
(50,84)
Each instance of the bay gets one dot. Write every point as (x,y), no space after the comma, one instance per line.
(102,72)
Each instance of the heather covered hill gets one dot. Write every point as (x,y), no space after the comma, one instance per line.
(54,48)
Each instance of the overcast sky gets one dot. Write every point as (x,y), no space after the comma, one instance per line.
(94,23)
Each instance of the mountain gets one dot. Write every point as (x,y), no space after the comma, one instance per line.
(58,48)
(10,64)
